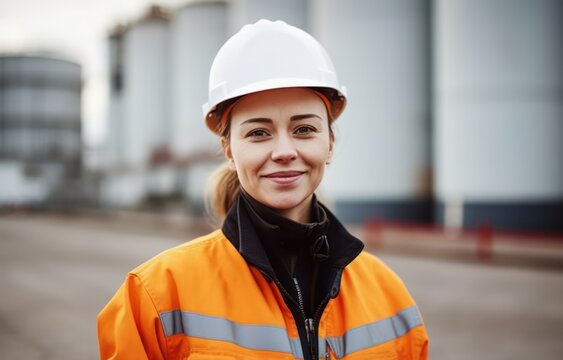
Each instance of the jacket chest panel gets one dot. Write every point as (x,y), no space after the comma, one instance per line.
(242,317)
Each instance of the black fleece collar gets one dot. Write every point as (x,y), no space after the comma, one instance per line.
(241,232)
(287,237)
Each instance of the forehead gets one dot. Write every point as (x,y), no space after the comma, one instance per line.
(284,102)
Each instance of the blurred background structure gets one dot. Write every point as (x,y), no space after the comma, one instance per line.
(454,114)
(498,106)
(453,137)
(40,130)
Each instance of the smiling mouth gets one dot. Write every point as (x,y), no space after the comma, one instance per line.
(285,177)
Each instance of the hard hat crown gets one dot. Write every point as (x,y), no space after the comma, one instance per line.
(270,55)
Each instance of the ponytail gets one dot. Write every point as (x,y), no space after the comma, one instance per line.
(222,190)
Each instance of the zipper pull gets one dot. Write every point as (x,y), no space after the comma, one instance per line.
(311,338)
(310,329)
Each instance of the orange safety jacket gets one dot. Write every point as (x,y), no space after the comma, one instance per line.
(202,300)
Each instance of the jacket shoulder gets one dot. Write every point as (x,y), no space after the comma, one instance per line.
(374,275)
(199,253)
(370,262)
(188,274)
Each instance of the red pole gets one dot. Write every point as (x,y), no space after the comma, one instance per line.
(484,241)
(374,232)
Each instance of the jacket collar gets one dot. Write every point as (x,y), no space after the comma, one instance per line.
(239,228)
(281,235)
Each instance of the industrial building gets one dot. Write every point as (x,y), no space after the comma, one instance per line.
(40,129)
(454,116)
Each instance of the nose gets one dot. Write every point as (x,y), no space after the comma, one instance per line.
(284,149)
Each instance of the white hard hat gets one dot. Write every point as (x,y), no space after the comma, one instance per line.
(270,55)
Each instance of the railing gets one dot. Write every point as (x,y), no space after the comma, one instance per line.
(483,236)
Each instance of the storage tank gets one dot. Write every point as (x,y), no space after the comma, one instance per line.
(40,119)
(18,187)
(124,189)
(293,12)
(382,161)
(146,87)
(114,146)
(198,29)
(499,111)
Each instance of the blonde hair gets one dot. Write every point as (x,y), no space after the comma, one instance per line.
(222,190)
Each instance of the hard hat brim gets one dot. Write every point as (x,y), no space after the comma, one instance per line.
(337,98)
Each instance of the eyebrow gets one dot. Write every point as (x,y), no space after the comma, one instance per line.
(304,116)
(268,120)
(257,120)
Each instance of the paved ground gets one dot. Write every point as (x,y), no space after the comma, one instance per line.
(56,274)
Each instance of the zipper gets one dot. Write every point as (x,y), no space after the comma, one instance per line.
(288,295)
(299,297)
(319,312)
(309,323)
(313,327)
(311,338)
(299,304)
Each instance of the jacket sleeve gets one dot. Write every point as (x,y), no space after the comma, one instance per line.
(129,326)
(424,351)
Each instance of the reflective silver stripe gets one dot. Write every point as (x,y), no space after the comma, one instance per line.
(373,334)
(296,350)
(255,337)
(274,338)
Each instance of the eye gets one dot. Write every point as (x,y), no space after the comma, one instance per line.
(304,130)
(257,133)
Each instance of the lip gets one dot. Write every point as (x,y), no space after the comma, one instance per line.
(284,177)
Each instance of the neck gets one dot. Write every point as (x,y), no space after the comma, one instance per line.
(284,236)
(300,213)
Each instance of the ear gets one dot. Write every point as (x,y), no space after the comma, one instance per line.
(330,149)
(226,147)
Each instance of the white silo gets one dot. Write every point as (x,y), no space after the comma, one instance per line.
(146,88)
(40,122)
(114,146)
(124,182)
(293,12)
(139,123)
(380,49)
(198,29)
(499,108)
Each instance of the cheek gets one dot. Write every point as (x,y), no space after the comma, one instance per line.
(314,157)
(248,159)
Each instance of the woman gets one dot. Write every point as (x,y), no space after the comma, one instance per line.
(282,278)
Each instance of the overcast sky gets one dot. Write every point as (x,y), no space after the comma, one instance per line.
(77,30)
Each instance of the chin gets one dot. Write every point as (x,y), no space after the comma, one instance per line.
(283,202)
(282,205)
